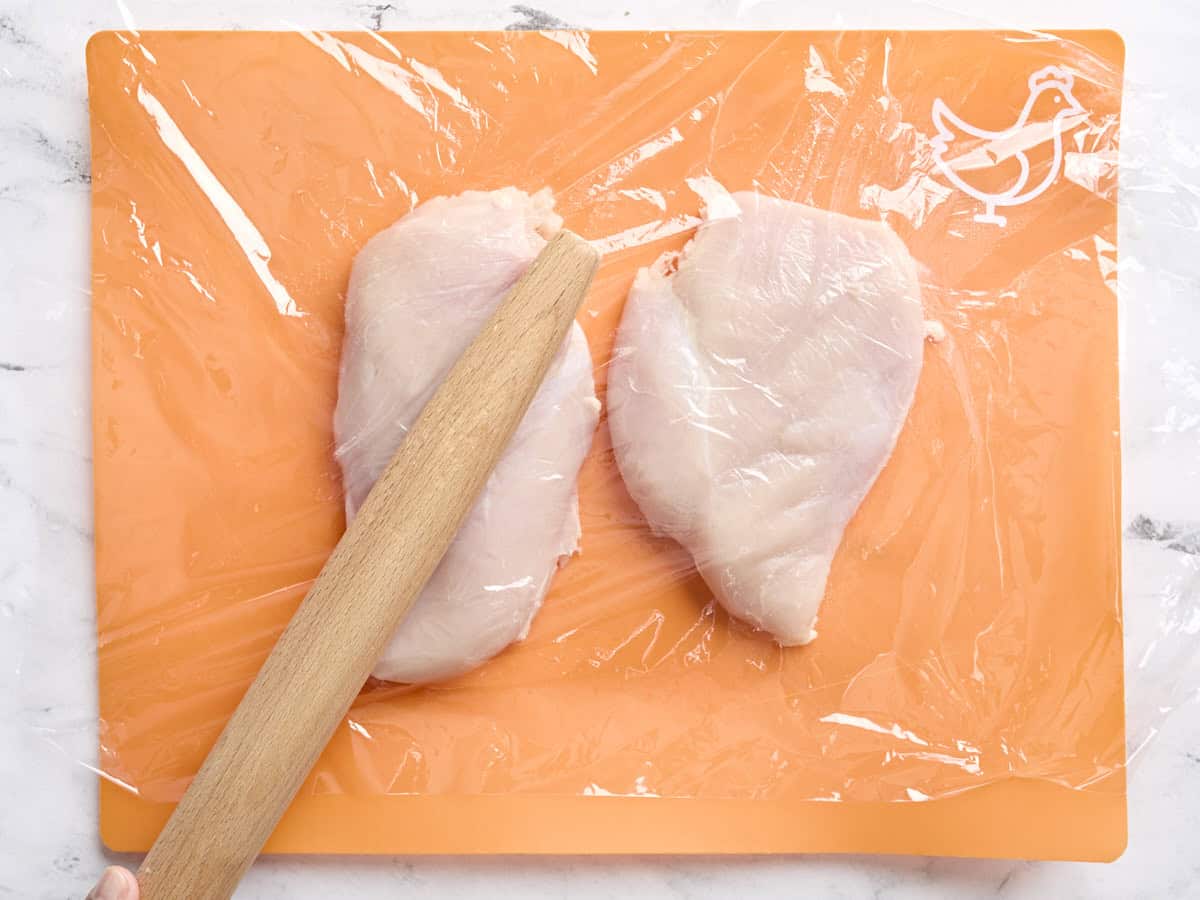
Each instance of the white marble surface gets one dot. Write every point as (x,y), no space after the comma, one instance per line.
(48,843)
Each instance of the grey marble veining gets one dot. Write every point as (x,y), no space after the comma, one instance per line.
(48,843)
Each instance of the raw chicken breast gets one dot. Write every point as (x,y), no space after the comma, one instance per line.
(756,393)
(419,293)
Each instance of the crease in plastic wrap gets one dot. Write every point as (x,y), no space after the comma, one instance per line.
(847,527)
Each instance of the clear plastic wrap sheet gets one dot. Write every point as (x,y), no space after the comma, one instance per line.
(970,630)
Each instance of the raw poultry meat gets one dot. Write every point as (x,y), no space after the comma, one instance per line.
(419,292)
(756,393)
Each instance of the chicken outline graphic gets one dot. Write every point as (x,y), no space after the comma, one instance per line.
(1052,82)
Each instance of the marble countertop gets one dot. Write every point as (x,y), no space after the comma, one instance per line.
(48,842)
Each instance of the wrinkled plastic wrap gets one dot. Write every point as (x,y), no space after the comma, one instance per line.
(920,436)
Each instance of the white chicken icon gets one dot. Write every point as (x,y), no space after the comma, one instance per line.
(1050,111)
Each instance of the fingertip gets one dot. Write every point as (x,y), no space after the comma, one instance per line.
(115,884)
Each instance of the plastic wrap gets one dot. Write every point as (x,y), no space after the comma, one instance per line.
(967,562)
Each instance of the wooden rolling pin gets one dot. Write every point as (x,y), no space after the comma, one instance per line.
(368,584)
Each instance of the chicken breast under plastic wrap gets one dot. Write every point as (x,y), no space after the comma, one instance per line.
(419,293)
(757,392)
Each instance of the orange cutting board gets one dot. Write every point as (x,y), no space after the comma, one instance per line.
(965,694)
